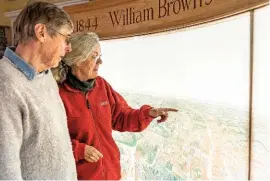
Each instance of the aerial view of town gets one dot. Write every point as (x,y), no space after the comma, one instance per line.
(199,142)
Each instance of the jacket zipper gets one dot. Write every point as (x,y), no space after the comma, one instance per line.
(88,105)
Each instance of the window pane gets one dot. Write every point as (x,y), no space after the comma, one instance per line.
(204,72)
(261,118)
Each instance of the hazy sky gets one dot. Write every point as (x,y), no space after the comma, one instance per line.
(209,63)
(262,62)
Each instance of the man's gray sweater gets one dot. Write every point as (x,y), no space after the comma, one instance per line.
(34,139)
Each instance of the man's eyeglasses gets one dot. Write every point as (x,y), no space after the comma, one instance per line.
(67,38)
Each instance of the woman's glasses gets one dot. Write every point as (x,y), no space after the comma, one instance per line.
(96,57)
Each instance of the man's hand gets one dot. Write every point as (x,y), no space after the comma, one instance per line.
(162,112)
(91,154)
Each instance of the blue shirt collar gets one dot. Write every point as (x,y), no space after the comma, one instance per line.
(20,64)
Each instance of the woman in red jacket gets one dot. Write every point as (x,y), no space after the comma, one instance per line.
(94,109)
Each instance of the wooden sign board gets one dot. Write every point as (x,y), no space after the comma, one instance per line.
(122,18)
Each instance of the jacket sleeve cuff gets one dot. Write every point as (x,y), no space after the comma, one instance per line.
(81,148)
(145,118)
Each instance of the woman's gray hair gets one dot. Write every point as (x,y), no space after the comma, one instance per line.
(82,46)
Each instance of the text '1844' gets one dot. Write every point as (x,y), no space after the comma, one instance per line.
(89,24)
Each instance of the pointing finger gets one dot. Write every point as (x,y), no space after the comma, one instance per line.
(168,109)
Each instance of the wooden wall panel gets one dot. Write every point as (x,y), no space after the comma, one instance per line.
(121,18)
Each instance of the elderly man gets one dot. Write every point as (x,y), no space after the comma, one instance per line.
(34,139)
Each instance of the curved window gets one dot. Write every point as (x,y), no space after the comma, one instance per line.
(205,73)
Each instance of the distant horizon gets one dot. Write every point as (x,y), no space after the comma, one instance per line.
(179,98)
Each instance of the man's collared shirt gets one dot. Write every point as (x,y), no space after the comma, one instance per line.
(20,64)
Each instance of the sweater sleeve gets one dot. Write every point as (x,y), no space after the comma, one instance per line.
(125,118)
(11,134)
(78,149)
